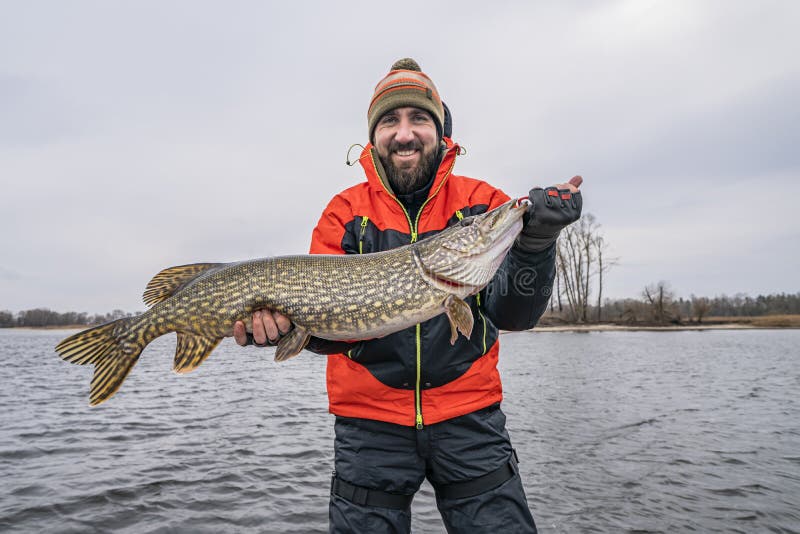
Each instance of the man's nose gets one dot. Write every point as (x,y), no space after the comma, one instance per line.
(405,134)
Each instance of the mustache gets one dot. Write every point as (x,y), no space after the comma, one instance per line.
(394,146)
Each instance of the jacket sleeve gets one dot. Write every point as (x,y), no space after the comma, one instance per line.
(518,294)
(327,238)
(318,345)
(328,235)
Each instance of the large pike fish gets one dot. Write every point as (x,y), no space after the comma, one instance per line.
(336,297)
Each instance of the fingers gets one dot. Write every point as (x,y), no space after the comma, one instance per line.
(240,333)
(264,327)
(573,185)
(269,326)
(282,322)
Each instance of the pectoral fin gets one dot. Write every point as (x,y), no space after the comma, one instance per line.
(291,344)
(192,350)
(460,315)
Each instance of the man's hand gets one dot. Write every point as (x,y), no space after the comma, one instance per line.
(268,327)
(551,209)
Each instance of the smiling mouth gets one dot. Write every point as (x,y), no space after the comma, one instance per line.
(405,153)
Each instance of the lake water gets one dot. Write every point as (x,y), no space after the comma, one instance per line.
(616,432)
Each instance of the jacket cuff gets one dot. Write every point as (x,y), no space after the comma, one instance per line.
(326,346)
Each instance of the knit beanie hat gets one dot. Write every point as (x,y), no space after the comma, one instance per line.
(405,85)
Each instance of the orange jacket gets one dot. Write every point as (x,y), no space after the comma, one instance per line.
(413,377)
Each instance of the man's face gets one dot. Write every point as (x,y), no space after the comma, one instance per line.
(407,144)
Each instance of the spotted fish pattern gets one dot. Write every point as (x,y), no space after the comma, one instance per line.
(336,297)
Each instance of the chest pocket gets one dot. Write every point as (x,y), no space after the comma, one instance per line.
(362,236)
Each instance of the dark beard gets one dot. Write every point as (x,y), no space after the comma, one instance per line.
(404,181)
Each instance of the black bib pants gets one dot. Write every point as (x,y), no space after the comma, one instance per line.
(379,466)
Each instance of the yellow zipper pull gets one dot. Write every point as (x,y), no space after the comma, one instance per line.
(459,215)
(413,236)
(419,421)
(364,221)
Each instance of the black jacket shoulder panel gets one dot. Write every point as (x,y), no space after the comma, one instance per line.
(362,236)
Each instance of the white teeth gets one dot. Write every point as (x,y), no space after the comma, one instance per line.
(405,152)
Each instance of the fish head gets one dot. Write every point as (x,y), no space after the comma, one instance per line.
(463,258)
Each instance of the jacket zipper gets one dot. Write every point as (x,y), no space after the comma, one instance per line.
(417,390)
(413,226)
(483,319)
(364,221)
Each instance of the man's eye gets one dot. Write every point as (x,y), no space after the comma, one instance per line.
(388,120)
(420,117)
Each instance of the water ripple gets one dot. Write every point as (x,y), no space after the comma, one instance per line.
(616,432)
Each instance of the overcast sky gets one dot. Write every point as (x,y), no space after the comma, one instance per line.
(140,135)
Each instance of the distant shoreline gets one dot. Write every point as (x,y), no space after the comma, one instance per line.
(709,323)
(55,327)
(665,328)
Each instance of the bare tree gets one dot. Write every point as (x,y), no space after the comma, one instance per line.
(581,262)
(700,307)
(604,264)
(660,297)
(571,262)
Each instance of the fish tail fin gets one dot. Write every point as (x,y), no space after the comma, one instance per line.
(113,351)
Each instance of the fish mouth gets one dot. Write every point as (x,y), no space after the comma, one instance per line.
(467,255)
(447,282)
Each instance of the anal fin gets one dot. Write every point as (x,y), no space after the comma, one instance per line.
(291,344)
(460,315)
(192,350)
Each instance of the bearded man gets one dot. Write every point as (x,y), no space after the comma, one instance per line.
(410,405)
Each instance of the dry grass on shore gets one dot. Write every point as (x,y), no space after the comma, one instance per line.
(552,323)
(759,321)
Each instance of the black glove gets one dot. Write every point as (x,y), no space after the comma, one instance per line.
(551,210)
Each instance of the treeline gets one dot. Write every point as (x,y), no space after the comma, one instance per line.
(659,305)
(744,305)
(582,265)
(44,317)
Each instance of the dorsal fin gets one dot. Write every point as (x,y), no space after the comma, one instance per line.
(170,280)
